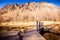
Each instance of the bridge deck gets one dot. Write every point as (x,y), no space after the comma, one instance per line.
(33,35)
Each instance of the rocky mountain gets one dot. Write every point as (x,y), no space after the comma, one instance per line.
(30,12)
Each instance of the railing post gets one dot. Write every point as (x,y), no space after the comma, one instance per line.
(39,26)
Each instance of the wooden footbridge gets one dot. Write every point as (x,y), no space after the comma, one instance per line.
(34,34)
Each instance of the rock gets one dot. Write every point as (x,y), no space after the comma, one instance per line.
(31,12)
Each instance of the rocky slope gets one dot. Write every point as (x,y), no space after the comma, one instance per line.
(30,12)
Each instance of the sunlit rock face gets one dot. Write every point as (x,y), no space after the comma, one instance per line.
(31,12)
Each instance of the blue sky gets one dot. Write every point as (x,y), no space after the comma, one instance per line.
(4,2)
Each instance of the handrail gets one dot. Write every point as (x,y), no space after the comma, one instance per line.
(42,30)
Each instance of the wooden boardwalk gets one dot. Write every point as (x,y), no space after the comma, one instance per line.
(33,35)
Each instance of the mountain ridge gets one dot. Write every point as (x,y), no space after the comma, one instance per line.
(31,12)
